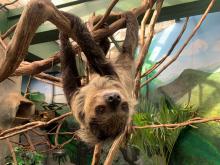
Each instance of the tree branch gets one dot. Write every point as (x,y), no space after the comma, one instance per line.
(3,43)
(9,31)
(29,126)
(143,23)
(49,79)
(114,149)
(57,132)
(27,90)
(28,139)
(190,122)
(155,66)
(118,22)
(12,151)
(115,43)
(106,15)
(41,11)
(7,4)
(36,67)
(185,43)
(145,47)
(97,154)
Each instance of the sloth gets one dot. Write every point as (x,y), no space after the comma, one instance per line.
(103,107)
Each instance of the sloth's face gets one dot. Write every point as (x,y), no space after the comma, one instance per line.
(109,102)
(102,109)
(107,113)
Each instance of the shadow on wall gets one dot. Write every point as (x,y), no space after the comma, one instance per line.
(196,88)
(202,90)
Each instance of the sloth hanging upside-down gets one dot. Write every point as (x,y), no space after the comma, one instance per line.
(105,105)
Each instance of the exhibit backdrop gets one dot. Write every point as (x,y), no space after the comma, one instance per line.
(193,79)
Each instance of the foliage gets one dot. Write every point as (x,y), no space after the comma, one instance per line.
(156,145)
(75,151)
(25,157)
(71,150)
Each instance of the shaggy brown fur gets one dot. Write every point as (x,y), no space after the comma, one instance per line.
(104,106)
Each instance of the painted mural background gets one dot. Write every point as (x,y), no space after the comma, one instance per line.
(193,79)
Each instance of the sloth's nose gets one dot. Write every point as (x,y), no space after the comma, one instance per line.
(113,99)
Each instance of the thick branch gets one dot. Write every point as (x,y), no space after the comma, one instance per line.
(36,67)
(40,11)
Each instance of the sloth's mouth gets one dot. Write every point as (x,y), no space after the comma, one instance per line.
(110,128)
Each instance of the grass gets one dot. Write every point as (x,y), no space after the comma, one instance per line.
(156,145)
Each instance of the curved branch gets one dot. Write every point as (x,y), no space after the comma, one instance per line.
(104,18)
(40,11)
(36,67)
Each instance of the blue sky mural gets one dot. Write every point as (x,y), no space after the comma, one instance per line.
(202,53)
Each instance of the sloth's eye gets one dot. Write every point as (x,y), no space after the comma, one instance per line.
(100,109)
(124,106)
